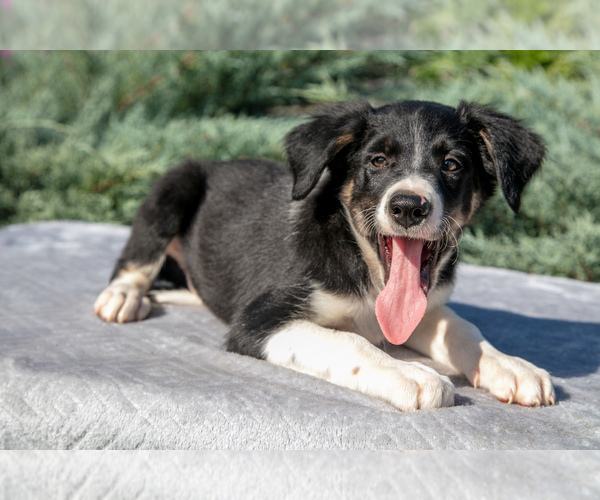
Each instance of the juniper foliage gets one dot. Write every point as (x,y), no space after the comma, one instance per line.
(83,135)
(331,24)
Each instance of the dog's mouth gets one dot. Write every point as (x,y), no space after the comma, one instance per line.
(429,254)
(407,265)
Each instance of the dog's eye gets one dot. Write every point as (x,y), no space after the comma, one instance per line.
(379,161)
(451,165)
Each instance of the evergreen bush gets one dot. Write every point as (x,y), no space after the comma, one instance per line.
(83,135)
(331,24)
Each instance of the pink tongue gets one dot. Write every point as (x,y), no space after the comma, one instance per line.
(402,303)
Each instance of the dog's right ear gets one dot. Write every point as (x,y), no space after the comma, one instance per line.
(314,145)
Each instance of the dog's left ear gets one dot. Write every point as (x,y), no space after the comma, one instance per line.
(511,154)
(314,145)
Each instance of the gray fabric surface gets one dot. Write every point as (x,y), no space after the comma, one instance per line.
(301,475)
(67,380)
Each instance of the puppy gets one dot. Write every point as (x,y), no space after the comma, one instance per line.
(315,264)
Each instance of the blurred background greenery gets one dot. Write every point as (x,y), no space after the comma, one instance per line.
(309,24)
(84,134)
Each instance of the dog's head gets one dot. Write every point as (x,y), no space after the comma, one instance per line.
(410,176)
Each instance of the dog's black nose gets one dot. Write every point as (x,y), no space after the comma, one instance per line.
(408,209)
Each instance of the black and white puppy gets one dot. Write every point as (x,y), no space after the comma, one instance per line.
(315,264)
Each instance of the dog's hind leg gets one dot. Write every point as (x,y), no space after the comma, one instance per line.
(161,221)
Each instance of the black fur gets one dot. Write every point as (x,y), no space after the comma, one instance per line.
(258,236)
(313,146)
(166,212)
(510,153)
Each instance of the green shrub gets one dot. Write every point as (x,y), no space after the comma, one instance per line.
(84,134)
(331,24)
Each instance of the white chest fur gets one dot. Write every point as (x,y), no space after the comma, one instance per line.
(347,313)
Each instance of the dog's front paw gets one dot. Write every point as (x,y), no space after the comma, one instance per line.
(122,303)
(409,386)
(512,379)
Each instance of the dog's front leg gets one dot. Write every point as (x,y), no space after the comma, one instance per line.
(453,341)
(349,360)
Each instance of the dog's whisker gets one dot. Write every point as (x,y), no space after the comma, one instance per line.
(371,224)
(362,212)
(449,233)
(368,222)
(445,234)
(458,226)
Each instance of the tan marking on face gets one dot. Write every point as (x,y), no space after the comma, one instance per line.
(357,219)
(346,193)
(369,255)
(343,140)
(461,220)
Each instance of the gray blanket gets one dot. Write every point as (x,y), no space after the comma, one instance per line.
(68,380)
(318,475)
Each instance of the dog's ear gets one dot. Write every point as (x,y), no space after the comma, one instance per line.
(510,153)
(314,145)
